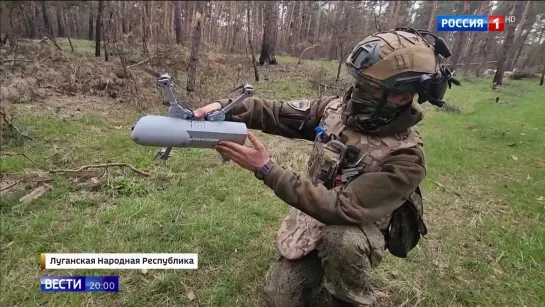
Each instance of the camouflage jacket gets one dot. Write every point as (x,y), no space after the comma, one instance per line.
(393,158)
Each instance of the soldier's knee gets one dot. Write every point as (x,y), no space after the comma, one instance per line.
(342,241)
(348,254)
(351,244)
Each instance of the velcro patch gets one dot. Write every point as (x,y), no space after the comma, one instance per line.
(300,105)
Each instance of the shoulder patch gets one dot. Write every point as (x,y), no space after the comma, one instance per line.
(300,104)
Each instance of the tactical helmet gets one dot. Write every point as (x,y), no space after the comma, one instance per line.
(403,61)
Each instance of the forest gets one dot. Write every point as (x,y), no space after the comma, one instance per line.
(319,29)
(77,75)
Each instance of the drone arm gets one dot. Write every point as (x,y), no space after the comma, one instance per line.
(219,115)
(165,82)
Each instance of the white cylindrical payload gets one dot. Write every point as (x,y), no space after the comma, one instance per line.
(166,131)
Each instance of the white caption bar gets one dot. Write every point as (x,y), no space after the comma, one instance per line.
(68,261)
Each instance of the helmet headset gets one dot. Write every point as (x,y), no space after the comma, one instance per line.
(430,87)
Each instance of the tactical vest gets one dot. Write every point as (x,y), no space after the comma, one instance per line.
(299,232)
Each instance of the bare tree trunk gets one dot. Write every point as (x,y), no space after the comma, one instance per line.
(509,37)
(484,47)
(124,22)
(68,31)
(397,8)
(230,26)
(262,22)
(195,48)
(145,28)
(342,37)
(334,29)
(75,20)
(211,23)
(527,61)
(282,25)
(178,21)
(248,19)
(522,42)
(459,41)
(217,30)
(149,15)
(37,18)
(31,21)
(307,32)
(47,24)
(106,34)
(433,15)
(317,29)
(98,27)
(187,17)
(518,34)
(270,33)
(392,7)
(60,22)
(236,26)
(167,23)
(293,27)
(475,37)
(193,15)
(301,20)
(287,37)
(90,22)
(529,26)
(10,33)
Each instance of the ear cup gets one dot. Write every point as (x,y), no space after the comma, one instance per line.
(441,47)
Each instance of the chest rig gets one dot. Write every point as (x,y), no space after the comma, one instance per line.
(339,154)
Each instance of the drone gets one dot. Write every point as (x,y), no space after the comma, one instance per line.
(180,128)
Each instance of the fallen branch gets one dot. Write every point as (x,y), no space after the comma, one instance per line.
(26,157)
(144,61)
(27,178)
(51,38)
(301,56)
(97,166)
(17,60)
(13,184)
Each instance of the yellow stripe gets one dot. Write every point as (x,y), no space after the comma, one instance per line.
(42,261)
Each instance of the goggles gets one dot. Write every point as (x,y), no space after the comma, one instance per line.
(430,87)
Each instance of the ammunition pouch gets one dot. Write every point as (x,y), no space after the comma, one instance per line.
(406,226)
(325,162)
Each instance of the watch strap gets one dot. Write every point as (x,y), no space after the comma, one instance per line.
(261,172)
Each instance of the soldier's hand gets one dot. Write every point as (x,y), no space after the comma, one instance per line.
(207,109)
(247,157)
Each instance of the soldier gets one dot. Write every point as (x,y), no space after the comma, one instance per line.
(362,196)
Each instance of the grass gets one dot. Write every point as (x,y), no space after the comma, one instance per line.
(486,172)
(81,46)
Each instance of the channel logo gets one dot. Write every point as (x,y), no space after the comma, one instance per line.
(473,23)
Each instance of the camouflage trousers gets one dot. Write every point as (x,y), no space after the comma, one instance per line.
(341,264)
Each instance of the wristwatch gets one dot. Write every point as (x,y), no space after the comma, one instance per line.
(261,172)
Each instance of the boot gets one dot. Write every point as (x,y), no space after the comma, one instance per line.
(335,302)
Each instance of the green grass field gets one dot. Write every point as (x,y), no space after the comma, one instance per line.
(484,206)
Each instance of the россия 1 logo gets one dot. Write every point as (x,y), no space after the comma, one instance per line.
(473,23)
